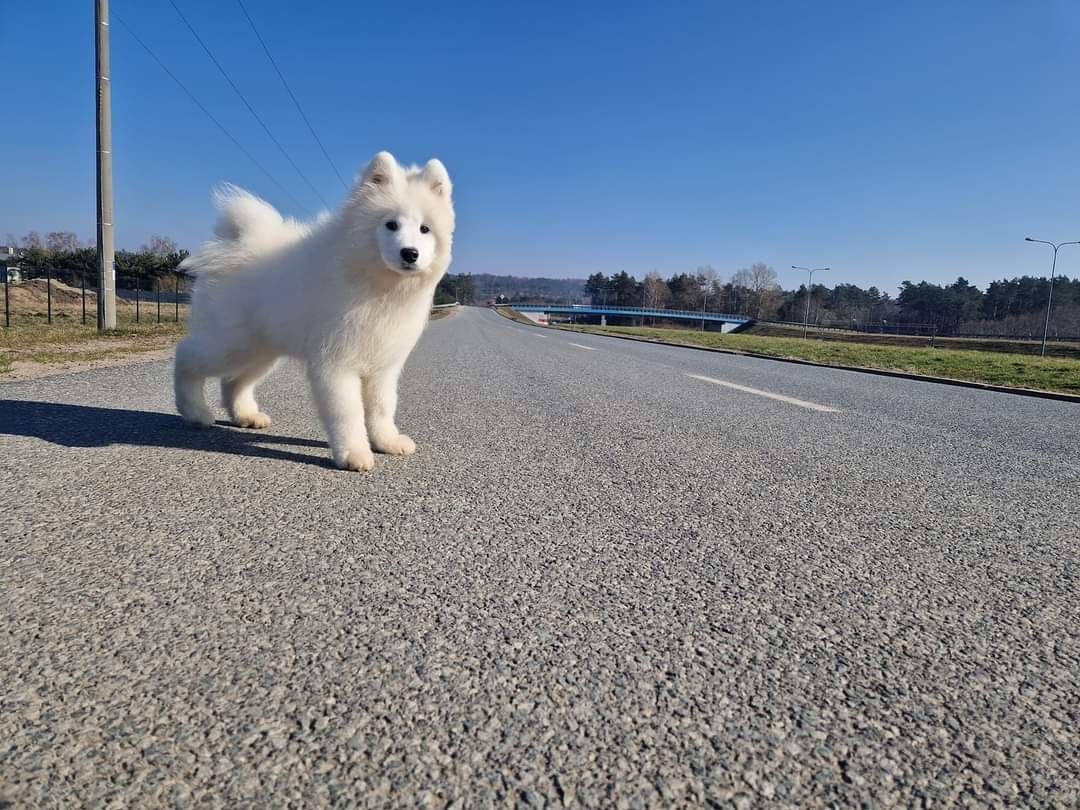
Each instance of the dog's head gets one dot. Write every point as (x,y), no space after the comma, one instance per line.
(404,215)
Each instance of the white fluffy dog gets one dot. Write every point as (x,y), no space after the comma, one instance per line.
(348,294)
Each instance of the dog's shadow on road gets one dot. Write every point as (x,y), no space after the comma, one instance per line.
(89,426)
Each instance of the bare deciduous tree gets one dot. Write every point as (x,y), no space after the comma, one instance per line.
(765,286)
(159,245)
(32,241)
(657,295)
(61,242)
(740,290)
(758,286)
(709,280)
(762,277)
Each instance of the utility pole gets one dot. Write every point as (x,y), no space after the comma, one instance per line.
(106,247)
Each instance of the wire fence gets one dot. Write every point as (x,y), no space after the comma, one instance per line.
(31,298)
(70,296)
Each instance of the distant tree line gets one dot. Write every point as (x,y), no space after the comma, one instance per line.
(1007,307)
(538,290)
(460,288)
(482,288)
(61,255)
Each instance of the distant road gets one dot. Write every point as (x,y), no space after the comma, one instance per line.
(615,574)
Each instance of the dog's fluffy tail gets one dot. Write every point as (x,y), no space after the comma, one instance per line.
(246,227)
(244,217)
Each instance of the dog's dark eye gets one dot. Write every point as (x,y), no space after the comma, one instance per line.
(424,229)
(391,226)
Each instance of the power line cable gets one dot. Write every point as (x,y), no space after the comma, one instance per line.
(209,115)
(251,109)
(292,95)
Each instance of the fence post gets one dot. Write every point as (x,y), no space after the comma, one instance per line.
(176,298)
(7,309)
(48,292)
(82,282)
(157,286)
(138,285)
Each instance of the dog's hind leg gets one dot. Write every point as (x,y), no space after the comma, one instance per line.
(191,368)
(238,395)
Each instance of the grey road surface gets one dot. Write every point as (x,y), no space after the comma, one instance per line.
(615,575)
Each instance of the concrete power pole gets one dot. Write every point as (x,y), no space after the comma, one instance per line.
(105,245)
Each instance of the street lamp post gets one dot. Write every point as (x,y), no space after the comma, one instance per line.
(809,285)
(1050,297)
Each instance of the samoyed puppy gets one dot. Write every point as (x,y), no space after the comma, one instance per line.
(348,295)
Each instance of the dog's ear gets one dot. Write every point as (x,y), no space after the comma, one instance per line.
(382,171)
(437,178)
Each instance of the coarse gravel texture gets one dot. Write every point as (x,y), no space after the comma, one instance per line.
(599,583)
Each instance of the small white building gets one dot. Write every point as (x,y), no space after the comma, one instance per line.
(9,258)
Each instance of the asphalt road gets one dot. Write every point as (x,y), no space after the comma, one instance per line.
(608,578)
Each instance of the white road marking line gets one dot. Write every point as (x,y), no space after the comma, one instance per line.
(586,348)
(802,403)
(539,336)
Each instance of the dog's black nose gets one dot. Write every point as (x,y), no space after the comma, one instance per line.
(410,254)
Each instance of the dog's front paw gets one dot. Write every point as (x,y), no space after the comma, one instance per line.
(399,445)
(256,421)
(362,460)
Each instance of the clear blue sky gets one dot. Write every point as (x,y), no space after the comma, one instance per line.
(888,140)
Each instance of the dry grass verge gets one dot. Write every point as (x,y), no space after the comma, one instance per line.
(34,348)
(993,368)
(514,315)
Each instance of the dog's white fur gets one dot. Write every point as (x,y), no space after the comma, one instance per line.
(340,294)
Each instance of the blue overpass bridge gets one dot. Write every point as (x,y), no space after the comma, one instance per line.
(726,322)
